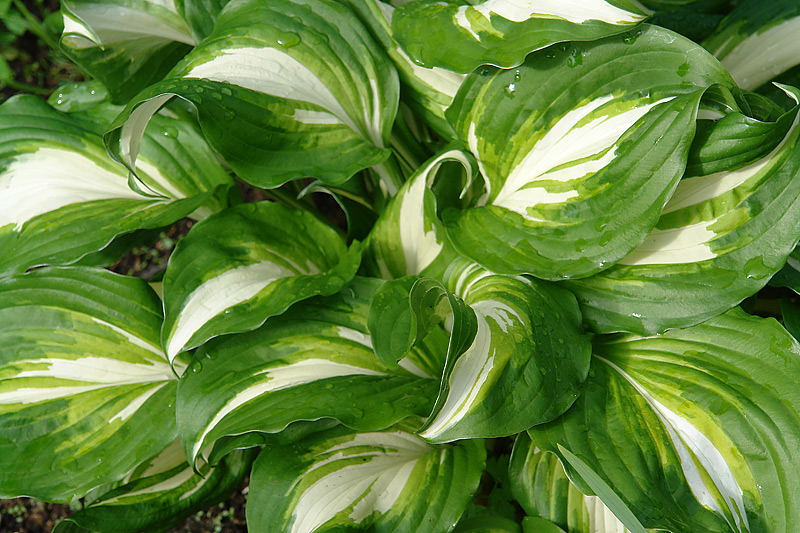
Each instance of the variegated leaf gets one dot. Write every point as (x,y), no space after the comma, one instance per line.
(696,429)
(429,91)
(542,488)
(720,238)
(526,363)
(312,362)
(461,35)
(61,197)
(581,147)
(245,264)
(381,481)
(127,44)
(409,239)
(757,41)
(84,388)
(283,89)
(161,493)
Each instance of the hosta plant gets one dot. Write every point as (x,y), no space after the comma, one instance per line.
(522,266)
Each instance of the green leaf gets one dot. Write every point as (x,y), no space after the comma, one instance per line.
(489,524)
(719,239)
(392,323)
(525,365)
(461,35)
(162,495)
(245,264)
(126,44)
(409,239)
(284,89)
(79,97)
(61,197)
(581,147)
(534,524)
(200,15)
(605,493)
(84,387)
(755,42)
(381,481)
(315,361)
(696,429)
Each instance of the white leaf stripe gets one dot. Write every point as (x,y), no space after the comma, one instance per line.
(224,291)
(130,139)
(601,519)
(580,144)
(686,244)
(93,373)
(168,484)
(421,246)
(132,338)
(116,23)
(375,469)
(472,372)
(695,190)
(693,243)
(691,444)
(281,377)
(275,72)
(762,55)
(136,404)
(42,181)
(571,11)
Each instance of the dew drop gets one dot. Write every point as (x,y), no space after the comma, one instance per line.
(170,132)
(509,90)
(288,39)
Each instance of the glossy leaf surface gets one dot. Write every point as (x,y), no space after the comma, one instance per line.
(84,387)
(715,429)
(283,89)
(387,481)
(250,262)
(314,361)
(581,147)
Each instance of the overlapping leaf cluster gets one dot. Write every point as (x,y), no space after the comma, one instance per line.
(553,211)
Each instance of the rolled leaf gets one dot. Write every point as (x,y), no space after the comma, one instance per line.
(720,238)
(581,147)
(284,89)
(84,387)
(525,366)
(162,495)
(696,429)
(382,481)
(757,41)
(126,44)
(315,361)
(461,36)
(61,197)
(247,263)
(409,239)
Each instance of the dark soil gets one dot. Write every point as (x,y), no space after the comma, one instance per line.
(27,515)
